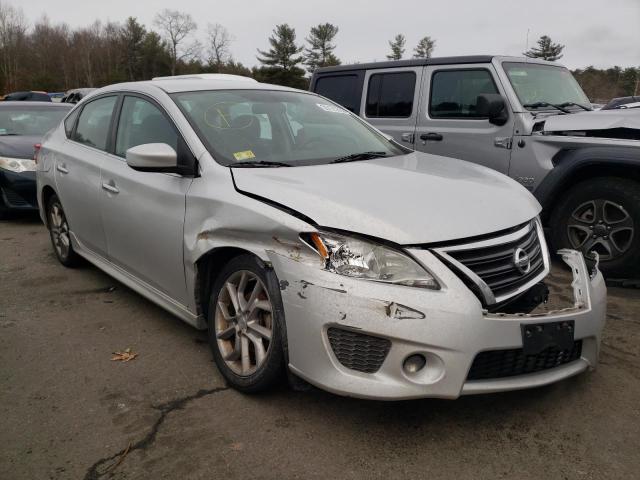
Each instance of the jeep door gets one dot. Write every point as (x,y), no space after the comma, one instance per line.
(143,212)
(77,172)
(390,101)
(448,124)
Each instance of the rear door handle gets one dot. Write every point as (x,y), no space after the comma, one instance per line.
(62,169)
(431,137)
(110,187)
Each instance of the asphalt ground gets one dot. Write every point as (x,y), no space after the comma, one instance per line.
(67,411)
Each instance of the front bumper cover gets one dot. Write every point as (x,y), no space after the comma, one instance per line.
(447,326)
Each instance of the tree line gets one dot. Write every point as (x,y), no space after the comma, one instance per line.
(55,57)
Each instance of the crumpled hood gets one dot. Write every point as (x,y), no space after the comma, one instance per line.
(18,146)
(409,199)
(596,120)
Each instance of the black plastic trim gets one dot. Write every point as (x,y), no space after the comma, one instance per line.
(569,162)
(406,63)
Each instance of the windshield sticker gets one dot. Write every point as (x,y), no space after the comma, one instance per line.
(331,108)
(246,155)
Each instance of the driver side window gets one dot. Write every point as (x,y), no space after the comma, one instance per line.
(454,93)
(142,122)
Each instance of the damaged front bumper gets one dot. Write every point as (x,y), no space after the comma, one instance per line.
(379,326)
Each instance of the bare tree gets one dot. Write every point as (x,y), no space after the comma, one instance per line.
(13,29)
(218,45)
(177,27)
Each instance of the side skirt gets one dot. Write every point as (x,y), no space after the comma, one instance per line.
(143,288)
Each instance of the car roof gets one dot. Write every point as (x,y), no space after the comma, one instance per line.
(192,83)
(24,105)
(417,62)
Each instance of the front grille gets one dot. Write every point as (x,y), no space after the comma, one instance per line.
(357,351)
(509,363)
(13,199)
(496,267)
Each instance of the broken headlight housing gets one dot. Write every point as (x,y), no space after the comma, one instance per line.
(366,260)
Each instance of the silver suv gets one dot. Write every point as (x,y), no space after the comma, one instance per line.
(303,238)
(525,118)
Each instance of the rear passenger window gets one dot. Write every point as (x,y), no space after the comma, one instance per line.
(454,93)
(390,95)
(142,122)
(343,89)
(93,124)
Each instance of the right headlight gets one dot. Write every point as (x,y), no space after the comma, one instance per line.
(17,165)
(366,260)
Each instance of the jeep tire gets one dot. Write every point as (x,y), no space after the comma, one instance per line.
(602,215)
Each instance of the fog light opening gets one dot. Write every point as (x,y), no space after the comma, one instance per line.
(414,363)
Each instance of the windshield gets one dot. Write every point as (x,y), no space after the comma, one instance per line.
(264,127)
(22,120)
(537,84)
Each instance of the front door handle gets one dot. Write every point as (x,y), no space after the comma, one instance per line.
(110,187)
(62,169)
(431,137)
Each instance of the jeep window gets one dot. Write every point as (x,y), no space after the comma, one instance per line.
(454,93)
(142,122)
(390,95)
(537,84)
(93,125)
(342,89)
(267,126)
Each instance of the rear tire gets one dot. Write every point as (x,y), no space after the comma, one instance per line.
(247,333)
(601,214)
(60,233)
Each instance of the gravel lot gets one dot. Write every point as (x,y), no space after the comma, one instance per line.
(68,411)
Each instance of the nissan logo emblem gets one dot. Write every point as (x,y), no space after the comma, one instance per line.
(521,261)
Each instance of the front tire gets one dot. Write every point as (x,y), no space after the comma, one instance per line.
(60,233)
(602,215)
(246,325)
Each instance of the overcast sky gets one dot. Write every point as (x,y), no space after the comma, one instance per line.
(602,33)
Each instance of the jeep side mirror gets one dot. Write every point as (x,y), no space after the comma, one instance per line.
(493,107)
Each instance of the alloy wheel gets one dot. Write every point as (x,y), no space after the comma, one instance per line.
(602,226)
(59,230)
(243,322)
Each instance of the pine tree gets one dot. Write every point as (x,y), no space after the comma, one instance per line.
(133,36)
(280,62)
(546,50)
(397,47)
(320,51)
(425,48)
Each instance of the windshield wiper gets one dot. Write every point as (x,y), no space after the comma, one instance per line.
(574,104)
(354,157)
(546,104)
(259,163)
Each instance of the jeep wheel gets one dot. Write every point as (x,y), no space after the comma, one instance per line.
(601,215)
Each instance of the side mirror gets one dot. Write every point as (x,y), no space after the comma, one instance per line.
(153,157)
(493,107)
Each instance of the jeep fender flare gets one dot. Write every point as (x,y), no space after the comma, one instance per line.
(574,165)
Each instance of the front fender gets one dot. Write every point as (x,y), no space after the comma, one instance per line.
(573,164)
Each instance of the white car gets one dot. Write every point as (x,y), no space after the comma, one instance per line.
(303,238)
